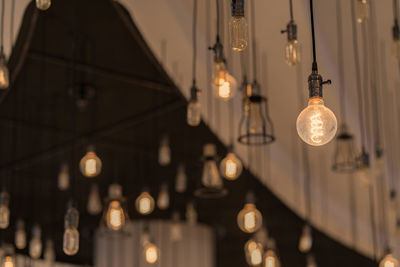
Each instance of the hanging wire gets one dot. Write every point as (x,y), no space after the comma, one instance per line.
(291,10)
(340,60)
(12,24)
(2,25)
(218,18)
(314,64)
(396,10)
(194,33)
(372,219)
(253,33)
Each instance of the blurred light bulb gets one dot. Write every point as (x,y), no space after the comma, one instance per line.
(316,124)
(20,235)
(227,87)
(151,253)
(35,245)
(176,229)
(63,177)
(238,32)
(193,113)
(71,233)
(90,164)
(306,241)
(43,4)
(163,198)
(191,214)
(270,259)
(249,218)
(4,74)
(181,179)
(49,253)
(8,261)
(231,167)
(210,177)
(4,210)
(94,205)
(219,72)
(115,215)
(254,252)
(362,10)
(292,52)
(164,152)
(389,261)
(145,203)
(311,261)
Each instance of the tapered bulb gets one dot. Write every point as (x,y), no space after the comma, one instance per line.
(94,205)
(151,253)
(389,261)
(49,254)
(90,165)
(292,52)
(181,179)
(8,261)
(249,218)
(176,229)
(219,73)
(43,4)
(396,49)
(145,203)
(4,210)
(227,87)
(254,252)
(238,30)
(35,245)
(311,261)
(115,216)
(305,242)
(231,167)
(270,259)
(191,214)
(20,235)
(362,10)
(4,73)
(210,177)
(316,124)
(163,198)
(164,152)
(63,177)
(193,117)
(71,241)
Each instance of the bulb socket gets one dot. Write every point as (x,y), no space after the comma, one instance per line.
(315,85)
(237,7)
(250,197)
(194,92)
(291,30)
(396,31)
(218,51)
(115,191)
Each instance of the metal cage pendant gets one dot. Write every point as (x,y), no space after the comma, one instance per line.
(345,157)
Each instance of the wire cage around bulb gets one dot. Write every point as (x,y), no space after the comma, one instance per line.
(345,157)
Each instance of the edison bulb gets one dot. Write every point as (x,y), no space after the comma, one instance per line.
(176,229)
(362,10)
(71,241)
(4,74)
(4,210)
(35,245)
(163,198)
(316,124)
(254,252)
(63,177)
(8,261)
(210,177)
(396,48)
(164,152)
(231,167)
(151,253)
(305,242)
(181,179)
(311,261)
(115,216)
(191,214)
(256,120)
(94,205)
(292,52)
(43,4)
(193,117)
(90,164)
(227,88)
(249,218)
(49,254)
(389,261)
(219,73)
(238,33)
(271,260)
(145,203)
(20,235)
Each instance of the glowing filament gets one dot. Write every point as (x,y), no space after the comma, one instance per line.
(231,169)
(256,257)
(90,166)
(250,220)
(116,217)
(316,128)
(145,206)
(224,89)
(151,253)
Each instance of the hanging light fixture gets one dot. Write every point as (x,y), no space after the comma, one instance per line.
(164,152)
(150,250)
(270,257)
(115,214)
(176,228)
(212,184)
(163,198)
(35,245)
(20,235)
(8,260)
(362,10)
(396,31)
(316,124)
(306,240)
(94,205)
(4,74)
(4,210)
(249,218)
(254,252)
(181,179)
(292,50)
(145,203)
(311,261)
(238,28)
(231,167)
(389,261)
(90,165)
(63,177)
(191,214)
(71,233)
(49,254)
(43,4)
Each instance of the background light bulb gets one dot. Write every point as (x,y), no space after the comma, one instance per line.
(20,235)
(254,252)
(43,4)
(71,233)
(163,198)
(231,167)
(4,73)
(176,229)
(311,261)
(193,117)
(35,245)
(227,87)
(362,10)
(270,259)
(94,205)
(90,165)
(389,261)
(49,252)
(238,30)
(63,177)
(306,241)
(292,52)
(210,177)
(316,124)
(151,253)
(164,152)
(249,218)
(191,214)
(181,179)
(115,216)
(145,203)
(4,210)
(8,261)
(219,72)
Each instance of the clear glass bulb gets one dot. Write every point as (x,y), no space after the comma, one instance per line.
(270,259)
(151,253)
(249,218)
(311,261)
(191,214)
(254,252)
(176,229)
(362,10)
(63,177)
(389,261)
(94,205)
(227,89)
(181,179)
(219,73)
(238,33)
(193,113)
(71,241)
(305,241)
(115,216)
(292,52)
(4,73)
(35,245)
(163,198)
(90,164)
(164,152)
(210,177)
(49,252)
(396,49)
(43,4)
(20,235)
(145,203)
(4,210)
(8,261)
(316,124)
(231,167)
(256,120)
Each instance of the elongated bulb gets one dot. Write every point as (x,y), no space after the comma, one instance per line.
(231,167)
(292,52)
(71,241)
(389,261)
(20,235)
(316,124)
(362,10)
(271,260)
(4,210)
(115,216)
(35,245)
(191,214)
(254,252)
(49,252)
(151,253)
(8,261)
(163,198)
(305,242)
(94,205)
(193,117)
(181,179)
(164,152)
(219,73)
(145,203)
(90,165)
(311,261)
(4,73)
(249,218)
(238,30)
(63,177)
(43,4)
(176,229)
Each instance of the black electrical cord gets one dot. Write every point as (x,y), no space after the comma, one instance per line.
(218,18)
(396,11)
(291,10)
(253,33)
(314,64)
(2,25)
(340,60)
(194,33)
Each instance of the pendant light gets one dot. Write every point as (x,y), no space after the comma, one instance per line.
(254,252)
(35,245)
(249,219)
(163,197)
(90,165)
(306,240)
(238,28)
(181,179)
(396,31)
(212,184)
(63,177)
(94,205)
(389,261)
(20,235)
(292,50)
(316,124)
(311,261)
(362,10)
(164,152)
(255,127)
(116,214)
(191,214)
(270,257)
(49,254)
(150,250)
(8,259)
(4,210)
(193,114)
(176,228)
(71,233)
(145,203)
(4,74)
(43,4)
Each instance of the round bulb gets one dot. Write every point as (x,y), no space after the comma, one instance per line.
(316,124)
(164,152)
(20,235)
(389,261)
(238,33)
(115,216)
(63,177)
(271,260)
(151,253)
(249,218)
(94,205)
(163,198)
(254,252)
(292,52)
(49,253)
(231,167)
(71,241)
(181,179)
(43,4)
(193,117)
(145,203)
(8,261)
(90,164)
(305,242)
(362,10)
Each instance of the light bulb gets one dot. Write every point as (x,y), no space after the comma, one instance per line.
(20,235)
(311,261)
(145,203)
(35,245)
(8,261)
(94,205)
(43,4)
(63,177)
(115,216)
(231,167)
(176,229)
(292,52)
(151,253)
(219,72)
(163,198)
(164,152)
(191,214)
(389,261)
(49,252)
(4,210)
(227,88)
(256,120)
(316,124)
(249,218)
(238,30)
(364,176)
(181,179)
(270,259)
(90,164)
(193,113)
(306,241)
(254,252)
(71,234)
(362,10)
(4,74)
(210,177)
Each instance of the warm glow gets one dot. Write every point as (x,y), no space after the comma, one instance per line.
(71,241)
(305,242)
(43,4)
(8,261)
(90,167)
(256,257)
(115,216)
(90,164)
(362,10)
(316,130)
(151,253)
(250,220)
(389,261)
(4,216)
(238,33)
(224,90)
(145,203)
(231,169)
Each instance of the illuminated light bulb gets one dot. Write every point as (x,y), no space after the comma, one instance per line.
(63,177)
(151,253)
(238,29)
(249,218)
(35,245)
(20,235)
(305,241)
(191,214)
(145,203)
(90,164)
(254,252)
(176,229)
(292,53)
(362,10)
(227,87)
(71,233)
(4,210)
(311,261)
(231,167)
(4,74)
(115,215)
(181,179)
(164,152)
(8,261)
(364,176)
(94,205)
(270,259)
(219,72)
(316,124)
(49,252)
(210,177)
(43,4)
(163,198)
(389,261)
(193,114)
